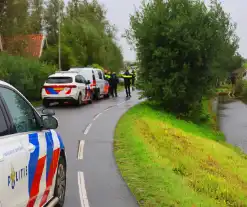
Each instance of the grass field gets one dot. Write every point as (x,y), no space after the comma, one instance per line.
(170,162)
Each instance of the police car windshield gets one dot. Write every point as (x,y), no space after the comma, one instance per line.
(60,80)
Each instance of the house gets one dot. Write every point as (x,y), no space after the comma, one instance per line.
(24,45)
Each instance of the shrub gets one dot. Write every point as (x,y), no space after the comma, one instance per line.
(95,65)
(177,46)
(239,87)
(68,60)
(27,75)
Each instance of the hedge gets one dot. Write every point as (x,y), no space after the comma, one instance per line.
(27,75)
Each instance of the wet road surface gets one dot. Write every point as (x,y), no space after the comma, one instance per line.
(92,175)
(233,123)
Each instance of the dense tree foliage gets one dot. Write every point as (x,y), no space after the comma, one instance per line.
(182,47)
(87,32)
(87,38)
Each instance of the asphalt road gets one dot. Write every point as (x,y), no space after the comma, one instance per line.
(93,179)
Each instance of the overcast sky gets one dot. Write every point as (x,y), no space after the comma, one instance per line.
(119,11)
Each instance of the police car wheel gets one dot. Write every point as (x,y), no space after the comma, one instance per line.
(91,99)
(79,101)
(97,94)
(60,186)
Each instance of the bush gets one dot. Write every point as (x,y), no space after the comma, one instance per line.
(68,60)
(27,75)
(241,89)
(95,65)
(177,46)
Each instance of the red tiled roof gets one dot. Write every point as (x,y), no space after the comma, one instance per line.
(31,45)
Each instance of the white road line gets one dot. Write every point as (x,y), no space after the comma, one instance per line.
(82,190)
(97,116)
(121,103)
(80,151)
(87,129)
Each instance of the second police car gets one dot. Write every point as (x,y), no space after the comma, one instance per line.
(66,86)
(32,154)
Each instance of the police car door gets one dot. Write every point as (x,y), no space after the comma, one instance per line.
(4,131)
(81,85)
(25,153)
(101,81)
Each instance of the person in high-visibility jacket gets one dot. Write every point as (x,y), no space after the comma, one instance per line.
(133,79)
(127,82)
(107,76)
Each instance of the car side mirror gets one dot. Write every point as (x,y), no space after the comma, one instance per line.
(49,122)
(48,112)
(88,82)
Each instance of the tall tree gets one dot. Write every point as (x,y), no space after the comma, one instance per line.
(14,17)
(36,17)
(51,17)
(3,7)
(178,42)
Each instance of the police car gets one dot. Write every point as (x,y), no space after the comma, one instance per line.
(95,77)
(66,86)
(32,154)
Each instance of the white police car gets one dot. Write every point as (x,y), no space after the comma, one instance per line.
(32,154)
(66,86)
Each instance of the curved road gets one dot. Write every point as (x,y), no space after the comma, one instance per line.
(93,179)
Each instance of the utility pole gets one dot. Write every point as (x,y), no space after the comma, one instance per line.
(59,36)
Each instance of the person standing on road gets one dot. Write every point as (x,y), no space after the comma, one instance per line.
(133,79)
(114,82)
(127,81)
(233,81)
(107,75)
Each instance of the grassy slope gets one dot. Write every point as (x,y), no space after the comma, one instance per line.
(169,162)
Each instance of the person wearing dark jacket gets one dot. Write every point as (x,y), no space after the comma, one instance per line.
(127,81)
(113,84)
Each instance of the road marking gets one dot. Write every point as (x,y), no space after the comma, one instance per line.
(80,151)
(87,129)
(97,116)
(108,108)
(82,190)
(121,103)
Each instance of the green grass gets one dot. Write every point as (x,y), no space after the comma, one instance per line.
(36,103)
(170,162)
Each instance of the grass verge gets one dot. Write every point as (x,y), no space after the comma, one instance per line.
(170,162)
(36,103)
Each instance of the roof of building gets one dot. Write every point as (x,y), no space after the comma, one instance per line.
(32,44)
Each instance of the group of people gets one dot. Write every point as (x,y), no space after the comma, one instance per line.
(113,79)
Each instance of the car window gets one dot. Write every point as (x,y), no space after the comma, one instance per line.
(78,79)
(21,112)
(59,80)
(3,125)
(100,74)
(83,79)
